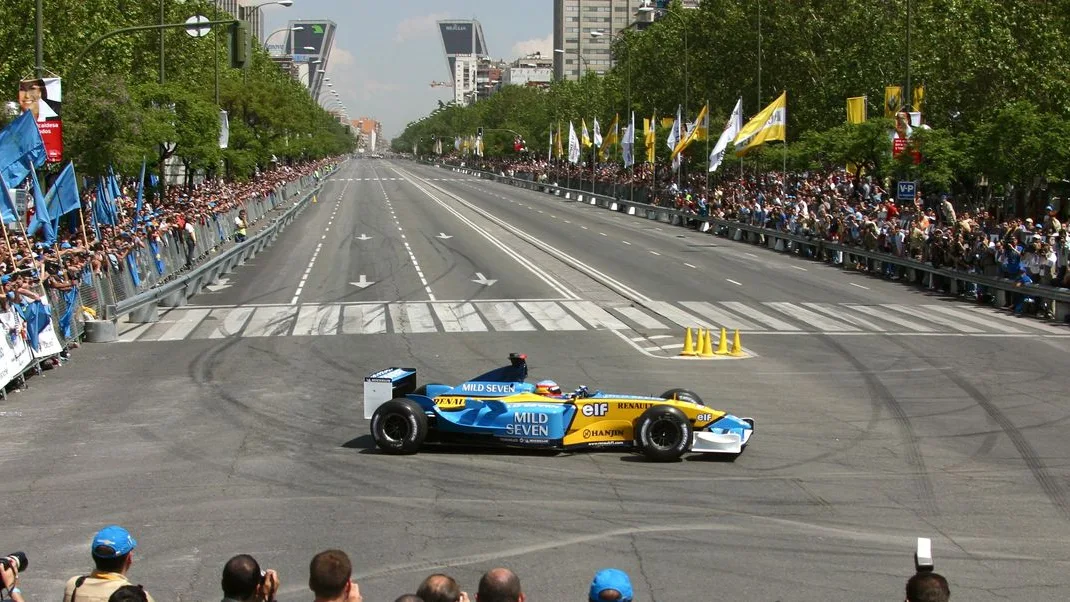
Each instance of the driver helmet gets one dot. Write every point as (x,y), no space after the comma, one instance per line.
(547,387)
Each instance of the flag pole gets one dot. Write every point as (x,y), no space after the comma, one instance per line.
(7,241)
(85,235)
(707,151)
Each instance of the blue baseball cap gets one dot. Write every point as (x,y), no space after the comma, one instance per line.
(113,541)
(611,579)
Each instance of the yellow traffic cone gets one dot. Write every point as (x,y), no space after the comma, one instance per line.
(737,347)
(707,345)
(689,347)
(722,346)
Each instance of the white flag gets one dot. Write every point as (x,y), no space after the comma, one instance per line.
(550,150)
(675,135)
(597,134)
(731,130)
(224,130)
(627,145)
(573,144)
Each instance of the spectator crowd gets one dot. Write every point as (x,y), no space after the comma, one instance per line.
(330,579)
(832,205)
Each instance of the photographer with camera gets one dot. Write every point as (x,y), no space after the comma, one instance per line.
(113,555)
(244,581)
(9,574)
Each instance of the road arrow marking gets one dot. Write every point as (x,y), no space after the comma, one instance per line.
(364,236)
(443,236)
(481,279)
(363,282)
(223,283)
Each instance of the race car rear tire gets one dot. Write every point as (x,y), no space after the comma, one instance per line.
(683,395)
(399,426)
(663,433)
(422,389)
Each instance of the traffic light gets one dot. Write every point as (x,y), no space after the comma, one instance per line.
(239,44)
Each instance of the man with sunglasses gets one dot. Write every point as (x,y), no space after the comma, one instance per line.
(245,581)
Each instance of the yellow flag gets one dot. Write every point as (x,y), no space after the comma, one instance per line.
(768,126)
(893,100)
(666,122)
(585,137)
(697,128)
(856,109)
(558,150)
(919,96)
(611,136)
(648,139)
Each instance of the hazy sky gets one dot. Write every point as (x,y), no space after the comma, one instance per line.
(386,53)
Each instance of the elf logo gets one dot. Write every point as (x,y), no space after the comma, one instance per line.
(595,409)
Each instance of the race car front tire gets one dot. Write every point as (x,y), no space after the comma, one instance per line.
(399,426)
(683,395)
(663,433)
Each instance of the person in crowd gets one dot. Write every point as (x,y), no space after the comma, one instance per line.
(500,585)
(244,581)
(9,579)
(330,577)
(240,225)
(129,593)
(113,555)
(408,598)
(441,588)
(928,587)
(610,585)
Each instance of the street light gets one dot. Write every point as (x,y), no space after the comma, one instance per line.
(582,58)
(256,7)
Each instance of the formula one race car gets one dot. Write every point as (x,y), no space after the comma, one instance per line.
(499,408)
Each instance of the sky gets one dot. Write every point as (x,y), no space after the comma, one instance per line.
(387,53)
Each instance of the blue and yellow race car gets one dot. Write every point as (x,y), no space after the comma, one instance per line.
(500,408)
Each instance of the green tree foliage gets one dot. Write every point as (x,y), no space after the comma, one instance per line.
(117,112)
(996,75)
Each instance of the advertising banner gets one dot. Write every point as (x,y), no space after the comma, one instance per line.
(309,42)
(44,98)
(15,354)
(457,38)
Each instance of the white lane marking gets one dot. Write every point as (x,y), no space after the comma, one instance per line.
(551,316)
(887,316)
(751,255)
(412,257)
(734,282)
(657,337)
(317,320)
(230,321)
(186,321)
(626,242)
(585,227)
(692,266)
(505,316)
(603,234)
(817,320)
(270,322)
(799,268)
(918,312)
(858,285)
(590,312)
(971,317)
(458,317)
(752,313)
(411,317)
(719,316)
(835,311)
(655,253)
(518,257)
(364,319)
(1025,322)
(677,315)
(311,262)
(642,319)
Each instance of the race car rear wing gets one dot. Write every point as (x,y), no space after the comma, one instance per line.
(385,385)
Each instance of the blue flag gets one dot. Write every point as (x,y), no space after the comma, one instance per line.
(70,297)
(155,248)
(140,191)
(134,274)
(63,197)
(7,203)
(20,145)
(40,220)
(37,318)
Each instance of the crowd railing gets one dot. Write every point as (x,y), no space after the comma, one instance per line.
(1003,291)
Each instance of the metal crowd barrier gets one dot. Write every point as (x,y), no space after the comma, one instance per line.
(913,271)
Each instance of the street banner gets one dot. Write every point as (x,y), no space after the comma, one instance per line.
(44,98)
(893,100)
(731,130)
(767,126)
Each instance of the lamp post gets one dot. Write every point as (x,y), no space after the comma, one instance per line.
(255,9)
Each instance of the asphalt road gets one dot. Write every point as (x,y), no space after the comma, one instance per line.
(254,441)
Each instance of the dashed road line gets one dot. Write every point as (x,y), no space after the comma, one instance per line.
(734,282)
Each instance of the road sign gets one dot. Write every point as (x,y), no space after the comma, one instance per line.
(905,191)
(196,31)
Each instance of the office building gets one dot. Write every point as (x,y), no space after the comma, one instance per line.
(309,45)
(532,70)
(242,9)
(464,46)
(574,20)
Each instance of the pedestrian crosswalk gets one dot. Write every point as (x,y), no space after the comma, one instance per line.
(654,318)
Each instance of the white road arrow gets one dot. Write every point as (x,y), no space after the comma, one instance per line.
(223,283)
(443,236)
(363,282)
(364,236)
(481,279)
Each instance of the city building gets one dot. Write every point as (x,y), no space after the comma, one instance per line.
(532,70)
(489,77)
(243,10)
(464,46)
(574,20)
(369,133)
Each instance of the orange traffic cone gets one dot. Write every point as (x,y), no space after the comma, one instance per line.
(689,346)
(737,347)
